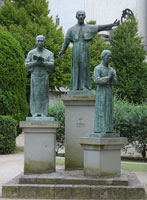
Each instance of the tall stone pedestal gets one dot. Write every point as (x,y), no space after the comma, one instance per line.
(102,155)
(79,119)
(39,146)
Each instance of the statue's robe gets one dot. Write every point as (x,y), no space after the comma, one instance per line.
(80,35)
(39,97)
(103,122)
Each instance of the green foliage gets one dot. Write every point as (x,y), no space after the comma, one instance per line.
(128,55)
(4,106)
(131,121)
(28,18)
(7,134)
(96,46)
(57,110)
(12,78)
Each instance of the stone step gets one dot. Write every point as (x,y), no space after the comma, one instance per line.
(72,192)
(49,179)
(69,185)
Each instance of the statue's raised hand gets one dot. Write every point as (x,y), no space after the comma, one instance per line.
(116,22)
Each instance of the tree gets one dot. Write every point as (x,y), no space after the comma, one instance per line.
(25,20)
(12,78)
(128,55)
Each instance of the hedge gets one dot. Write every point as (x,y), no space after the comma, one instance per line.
(13,78)
(7,134)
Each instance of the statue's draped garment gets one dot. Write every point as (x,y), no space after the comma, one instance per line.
(80,35)
(39,97)
(104,99)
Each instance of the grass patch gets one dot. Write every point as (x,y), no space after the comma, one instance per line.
(134,166)
(60,160)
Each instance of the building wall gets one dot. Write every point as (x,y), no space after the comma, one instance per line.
(141,13)
(1,3)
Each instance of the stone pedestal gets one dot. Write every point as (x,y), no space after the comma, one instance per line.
(79,119)
(39,146)
(102,155)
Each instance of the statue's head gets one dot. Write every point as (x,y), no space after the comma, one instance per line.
(80,15)
(106,56)
(40,41)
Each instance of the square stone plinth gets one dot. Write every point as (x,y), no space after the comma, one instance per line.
(39,146)
(102,155)
(79,119)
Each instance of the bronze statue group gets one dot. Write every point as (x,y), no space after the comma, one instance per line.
(40,62)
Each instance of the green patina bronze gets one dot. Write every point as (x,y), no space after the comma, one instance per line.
(80,35)
(104,77)
(39,62)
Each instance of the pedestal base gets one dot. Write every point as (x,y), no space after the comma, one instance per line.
(39,146)
(102,156)
(74,185)
(79,118)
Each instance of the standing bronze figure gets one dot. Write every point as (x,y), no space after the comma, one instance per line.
(80,35)
(104,77)
(39,62)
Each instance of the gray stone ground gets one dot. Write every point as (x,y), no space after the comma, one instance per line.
(12,165)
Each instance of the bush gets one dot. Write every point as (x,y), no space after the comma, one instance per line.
(7,134)
(58,111)
(12,78)
(131,121)
(4,106)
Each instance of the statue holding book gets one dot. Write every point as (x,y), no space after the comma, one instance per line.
(39,62)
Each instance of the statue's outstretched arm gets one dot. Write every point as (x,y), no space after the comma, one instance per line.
(108,26)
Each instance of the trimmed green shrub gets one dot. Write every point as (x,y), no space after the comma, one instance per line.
(7,134)
(58,111)
(131,121)
(4,106)
(12,78)
(128,56)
